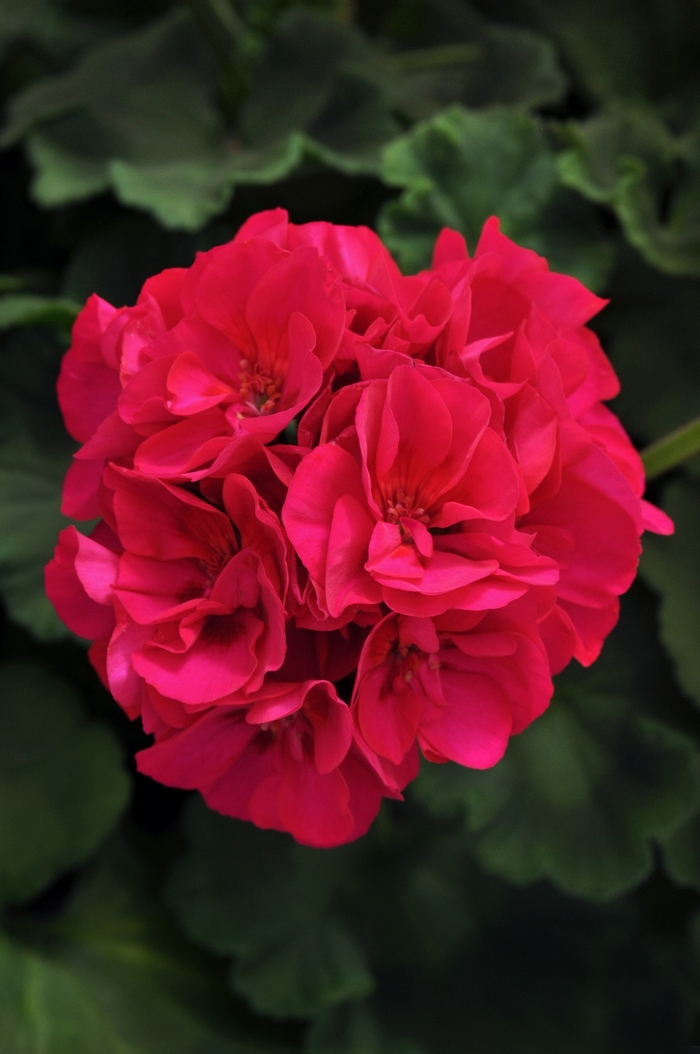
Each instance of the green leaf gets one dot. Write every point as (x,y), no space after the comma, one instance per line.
(465,166)
(35,452)
(457,170)
(137,114)
(62,781)
(144,99)
(45,24)
(632,48)
(681,853)
(111,977)
(626,158)
(496,64)
(258,896)
(578,796)
(30,309)
(651,330)
(347,1029)
(672,567)
(462,167)
(321,77)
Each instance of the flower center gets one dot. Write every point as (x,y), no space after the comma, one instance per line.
(404,505)
(258,388)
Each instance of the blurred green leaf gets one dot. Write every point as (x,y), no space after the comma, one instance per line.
(30,309)
(138,115)
(47,24)
(346,1029)
(62,781)
(30,519)
(142,99)
(632,48)
(681,853)
(578,796)
(545,974)
(321,77)
(35,452)
(267,901)
(672,567)
(495,65)
(111,977)
(651,330)
(626,158)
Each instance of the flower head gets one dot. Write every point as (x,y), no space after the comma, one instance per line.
(456,519)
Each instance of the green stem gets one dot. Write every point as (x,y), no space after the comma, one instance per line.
(434,58)
(674,448)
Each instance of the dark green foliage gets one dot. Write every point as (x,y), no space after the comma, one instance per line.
(628,159)
(35,452)
(112,976)
(547,906)
(578,797)
(268,901)
(673,570)
(460,168)
(63,784)
(463,166)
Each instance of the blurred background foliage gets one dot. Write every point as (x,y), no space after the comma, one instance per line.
(551,904)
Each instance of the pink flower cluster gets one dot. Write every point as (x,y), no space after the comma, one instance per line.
(308,466)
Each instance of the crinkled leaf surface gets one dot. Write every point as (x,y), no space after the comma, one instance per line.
(111,977)
(579,795)
(462,167)
(672,567)
(62,781)
(628,159)
(258,896)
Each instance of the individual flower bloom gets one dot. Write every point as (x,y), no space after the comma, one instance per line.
(419,514)
(108,346)
(285,760)
(234,346)
(460,684)
(386,309)
(198,593)
(202,589)
(262,325)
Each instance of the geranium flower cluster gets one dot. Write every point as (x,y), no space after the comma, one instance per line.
(308,466)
